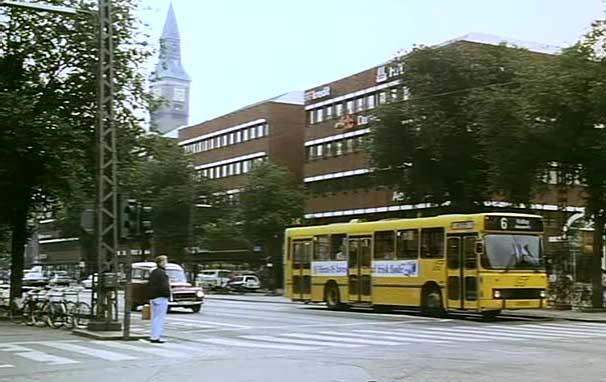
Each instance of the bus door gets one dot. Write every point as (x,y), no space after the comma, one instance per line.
(359,268)
(462,273)
(301,264)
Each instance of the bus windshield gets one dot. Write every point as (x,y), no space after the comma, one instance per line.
(513,252)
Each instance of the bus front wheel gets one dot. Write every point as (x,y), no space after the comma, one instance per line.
(332,297)
(431,302)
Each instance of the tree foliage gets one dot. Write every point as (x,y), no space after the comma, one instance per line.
(48,95)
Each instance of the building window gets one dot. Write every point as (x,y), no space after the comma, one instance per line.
(339,148)
(230,169)
(319,152)
(260,131)
(360,104)
(328,149)
(311,117)
(244,135)
(370,101)
(205,173)
(253,133)
(320,114)
(394,94)
(211,174)
(382,98)
(405,93)
(238,136)
(339,110)
(349,145)
(231,138)
(245,167)
(328,112)
(350,107)
(218,142)
(224,139)
(224,170)
(238,168)
(211,144)
(266,129)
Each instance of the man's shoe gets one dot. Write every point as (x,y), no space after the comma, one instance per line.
(156,341)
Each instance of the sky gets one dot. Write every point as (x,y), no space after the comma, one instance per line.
(239,52)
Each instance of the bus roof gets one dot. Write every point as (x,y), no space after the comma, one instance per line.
(435,221)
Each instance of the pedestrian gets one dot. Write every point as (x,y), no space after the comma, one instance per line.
(159,293)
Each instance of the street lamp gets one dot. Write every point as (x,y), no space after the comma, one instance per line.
(107,204)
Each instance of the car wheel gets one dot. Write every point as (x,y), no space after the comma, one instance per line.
(196,308)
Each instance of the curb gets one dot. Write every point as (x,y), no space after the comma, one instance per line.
(247,300)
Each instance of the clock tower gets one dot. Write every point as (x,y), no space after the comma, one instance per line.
(170,83)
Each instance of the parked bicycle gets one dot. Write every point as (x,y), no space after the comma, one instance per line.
(64,311)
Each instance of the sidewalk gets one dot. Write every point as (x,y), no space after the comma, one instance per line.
(570,315)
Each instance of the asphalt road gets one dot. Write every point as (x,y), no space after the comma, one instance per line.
(245,341)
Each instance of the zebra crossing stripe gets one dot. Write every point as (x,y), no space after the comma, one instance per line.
(456,336)
(376,334)
(439,336)
(571,329)
(36,355)
(341,338)
(142,349)
(251,344)
(567,330)
(98,353)
(6,366)
(545,332)
(493,334)
(301,342)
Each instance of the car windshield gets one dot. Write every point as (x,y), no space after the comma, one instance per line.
(176,275)
(513,252)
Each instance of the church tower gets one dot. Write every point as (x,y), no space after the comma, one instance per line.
(170,83)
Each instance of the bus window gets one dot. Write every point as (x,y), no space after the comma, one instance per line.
(385,245)
(432,243)
(337,246)
(407,244)
(321,248)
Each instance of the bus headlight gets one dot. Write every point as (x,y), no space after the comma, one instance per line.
(496,294)
(199,294)
(543,294)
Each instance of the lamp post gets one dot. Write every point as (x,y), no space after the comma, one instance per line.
(106,208)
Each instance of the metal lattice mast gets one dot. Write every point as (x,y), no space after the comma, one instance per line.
(107,207)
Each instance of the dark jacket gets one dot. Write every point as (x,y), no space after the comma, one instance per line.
(158,284)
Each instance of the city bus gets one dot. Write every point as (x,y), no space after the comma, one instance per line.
(483,262)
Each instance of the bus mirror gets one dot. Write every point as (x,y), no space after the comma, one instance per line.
(479,247)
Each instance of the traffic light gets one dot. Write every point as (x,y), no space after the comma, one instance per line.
(129,219)
(145,221)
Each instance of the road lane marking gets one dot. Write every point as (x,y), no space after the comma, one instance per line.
(6,366)
(572,329)
(152,350)
(375,334)
(184,320)
(300,342)
(456,335)
(98,353)
(493,333)
(36,355)
(563,331)
(427,334)
(543,332)
(251,344)
(340,339)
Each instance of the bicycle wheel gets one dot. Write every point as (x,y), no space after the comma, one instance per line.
(70,308)
(27,313)
(41,313)
(82,315)
(56,315)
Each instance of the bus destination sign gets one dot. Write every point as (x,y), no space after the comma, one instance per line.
(513,223)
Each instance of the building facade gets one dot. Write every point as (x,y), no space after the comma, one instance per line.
(170,82)
(226,148)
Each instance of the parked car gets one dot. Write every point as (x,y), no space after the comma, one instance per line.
(60,278)
(34,279)
(87,283)
(244,283)
(213,278)
(184,295)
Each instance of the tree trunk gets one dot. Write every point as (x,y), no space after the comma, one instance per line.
(597,295)
(19,238)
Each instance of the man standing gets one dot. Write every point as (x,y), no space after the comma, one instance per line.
(159,293)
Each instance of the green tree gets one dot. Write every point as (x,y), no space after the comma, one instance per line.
(270,202)
(48,101)
(439,145)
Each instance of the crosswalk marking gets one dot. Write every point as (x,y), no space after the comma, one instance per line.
(491,333)
(6,366)
(301,342)
(251,344)
(548,331)
(571,329)
(98,353)
(439,336)
(341,338)
(376,333)
(198,322)
(142,349)
(36,355)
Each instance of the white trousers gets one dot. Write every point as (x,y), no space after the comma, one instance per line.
(159,307)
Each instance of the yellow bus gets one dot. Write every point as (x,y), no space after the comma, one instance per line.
(481,262)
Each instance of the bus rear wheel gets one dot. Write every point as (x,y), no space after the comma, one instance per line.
(332,297)
(431,302)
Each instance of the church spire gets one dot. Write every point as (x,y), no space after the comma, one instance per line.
(170,64)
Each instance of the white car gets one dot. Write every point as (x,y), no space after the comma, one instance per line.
(244,283)
(213,278)
(88,282)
